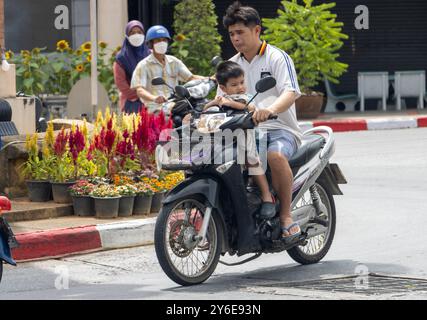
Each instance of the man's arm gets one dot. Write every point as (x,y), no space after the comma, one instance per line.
(282,103)
(148,97)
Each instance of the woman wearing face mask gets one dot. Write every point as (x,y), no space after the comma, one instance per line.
(133,51)
(158,64)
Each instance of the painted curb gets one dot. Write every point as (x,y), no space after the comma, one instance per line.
(345,125)
(63,242)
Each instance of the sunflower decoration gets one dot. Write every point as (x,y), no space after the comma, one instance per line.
(25,53)
(180,37)
(79,68)
(102,44)
(86,47)
(62,46)
(8,55)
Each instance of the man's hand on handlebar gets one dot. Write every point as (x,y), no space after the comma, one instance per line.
(262,115)
(160,99)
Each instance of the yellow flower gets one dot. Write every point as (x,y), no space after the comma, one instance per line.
(78,52)
(102,44)
(36,51)
(79,67)
(9,55)
(84,130)
(49,139)
(25,53)
(62,45)
(86,47)
(99,119)
(180,37)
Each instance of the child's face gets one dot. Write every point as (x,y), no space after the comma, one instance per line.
(234,86)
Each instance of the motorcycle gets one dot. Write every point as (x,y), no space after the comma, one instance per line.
(214,211)
(7,238)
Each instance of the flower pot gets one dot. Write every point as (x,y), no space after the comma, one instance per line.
(84,206)
(61,193)
(308,106)
(39,191)
(126,206)
(156,204)
(107,208)
(142,204)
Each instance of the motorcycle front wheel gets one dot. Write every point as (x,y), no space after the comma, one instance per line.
(182,258)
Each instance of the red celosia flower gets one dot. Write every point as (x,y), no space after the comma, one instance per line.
(61,143)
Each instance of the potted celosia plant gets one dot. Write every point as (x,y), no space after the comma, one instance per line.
(61,170)
(35,171)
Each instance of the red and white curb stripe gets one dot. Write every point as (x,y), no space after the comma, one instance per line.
(367,124)
(62,242)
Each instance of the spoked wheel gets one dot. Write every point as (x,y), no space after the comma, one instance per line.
(318,246)
(182,257)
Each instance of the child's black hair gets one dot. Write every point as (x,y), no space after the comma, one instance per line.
(227,70)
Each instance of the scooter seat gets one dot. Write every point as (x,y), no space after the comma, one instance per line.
(310,146)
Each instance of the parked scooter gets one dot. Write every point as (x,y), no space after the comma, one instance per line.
(214,212)
(7,238)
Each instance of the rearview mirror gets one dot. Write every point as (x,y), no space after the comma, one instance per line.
(182,92)
(216,61)
(265,84)
(158,82)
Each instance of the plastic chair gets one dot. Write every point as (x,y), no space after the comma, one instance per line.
(348,100)
(371,85)
(410,84)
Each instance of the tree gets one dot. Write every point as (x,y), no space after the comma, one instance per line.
(312,38)
(196,36)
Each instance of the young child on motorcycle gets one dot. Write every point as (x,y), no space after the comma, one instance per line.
(231,80)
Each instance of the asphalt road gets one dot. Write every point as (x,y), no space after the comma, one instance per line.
(381,228)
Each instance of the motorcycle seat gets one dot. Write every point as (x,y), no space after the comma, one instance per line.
(310,146)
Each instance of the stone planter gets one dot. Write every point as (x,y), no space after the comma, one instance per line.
(156,204)
(126,206)
(60,192)
(107,208)
(142,204)
(84,206)
(309,106)
(39,191)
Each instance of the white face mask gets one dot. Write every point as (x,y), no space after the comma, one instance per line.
(161,47)
(136,40)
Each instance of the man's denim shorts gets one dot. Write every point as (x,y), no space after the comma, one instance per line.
(281,141)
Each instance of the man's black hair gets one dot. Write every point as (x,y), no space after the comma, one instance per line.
(227,70)
(236,13)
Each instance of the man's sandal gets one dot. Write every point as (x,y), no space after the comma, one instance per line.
(291,237)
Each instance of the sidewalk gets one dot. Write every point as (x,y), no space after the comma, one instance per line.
(60,234)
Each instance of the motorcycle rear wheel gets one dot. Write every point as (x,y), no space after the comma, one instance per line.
(176,223)
(318,246)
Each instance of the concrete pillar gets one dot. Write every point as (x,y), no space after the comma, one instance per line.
(112,20)
(2,23)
